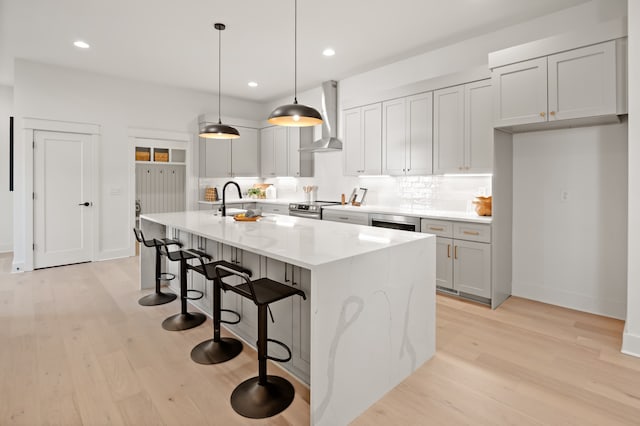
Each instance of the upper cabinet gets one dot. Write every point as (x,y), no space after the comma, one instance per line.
(230,157)
(363,140)
(575,84)
(280,155)
(407,135)
(462,129)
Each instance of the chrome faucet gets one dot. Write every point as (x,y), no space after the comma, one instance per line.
(224,191)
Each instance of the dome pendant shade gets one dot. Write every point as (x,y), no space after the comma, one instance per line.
(295,115)
(219,131)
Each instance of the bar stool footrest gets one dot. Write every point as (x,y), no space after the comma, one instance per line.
(199,296)
(273,358)
(166,276)
(231,322)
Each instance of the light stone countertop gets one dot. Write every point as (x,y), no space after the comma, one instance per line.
(255,200)
(299,241)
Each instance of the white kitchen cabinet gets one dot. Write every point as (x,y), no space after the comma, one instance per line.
(463,256)
(448,130)
(274,208)
(463,130)
(444,264)
(301,341)
(358,218)
(478,127)
(267,153)
(281,150)
(230,157)
(280,155)
(244,153)
(577,83)
(363,140)
(582,82)
(407,135)
(472,268)
(393,137)
(520,93)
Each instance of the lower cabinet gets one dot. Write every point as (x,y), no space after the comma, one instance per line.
(462,265)
(359,218)
(274,208)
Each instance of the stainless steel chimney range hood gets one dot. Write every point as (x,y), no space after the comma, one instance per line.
(329,141)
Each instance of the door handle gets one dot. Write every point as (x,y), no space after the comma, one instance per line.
(86,204)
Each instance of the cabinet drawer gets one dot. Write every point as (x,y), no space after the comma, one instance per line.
(274,208)
(346,217)
(441,228)
(472,232)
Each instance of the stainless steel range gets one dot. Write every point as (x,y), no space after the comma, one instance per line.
(309,209)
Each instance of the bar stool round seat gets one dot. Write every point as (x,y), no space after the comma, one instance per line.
(184,320)
(158,297)
(218,349)
(265,395)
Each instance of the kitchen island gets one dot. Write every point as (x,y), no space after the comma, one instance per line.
(369,318)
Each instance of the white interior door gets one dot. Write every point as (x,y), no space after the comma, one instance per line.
(63,203)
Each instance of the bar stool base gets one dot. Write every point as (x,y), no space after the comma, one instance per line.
(255,401)
(210,352)
(155,299)
(186,321)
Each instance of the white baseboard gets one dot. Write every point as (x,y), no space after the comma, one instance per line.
(630,343)
(113,254)
(18,267)
(580,302)
(6,248)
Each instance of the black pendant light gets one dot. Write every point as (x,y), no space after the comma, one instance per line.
(219,130)
(295,114)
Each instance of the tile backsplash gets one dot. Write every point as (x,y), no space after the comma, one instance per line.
(450,193)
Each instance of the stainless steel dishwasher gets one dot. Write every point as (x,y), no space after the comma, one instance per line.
(404,223)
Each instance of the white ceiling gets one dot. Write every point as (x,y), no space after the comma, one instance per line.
(173,42)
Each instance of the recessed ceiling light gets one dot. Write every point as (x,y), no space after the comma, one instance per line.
(328,52)
(252,84)
(81,44)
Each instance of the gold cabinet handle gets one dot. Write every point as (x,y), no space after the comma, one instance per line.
(471,232)
(552,113)
(436,228)
(455,252)
(542,114)
(448,250)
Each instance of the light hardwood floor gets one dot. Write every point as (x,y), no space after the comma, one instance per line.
(76,348)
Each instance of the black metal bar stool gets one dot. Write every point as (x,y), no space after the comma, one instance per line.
(184,320)
(219,349)
(262,396)
(157,298)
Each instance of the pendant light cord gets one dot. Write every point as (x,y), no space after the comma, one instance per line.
(295,52)
(219,74)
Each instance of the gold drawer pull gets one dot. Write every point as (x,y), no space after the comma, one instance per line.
(471,232)
(436,228)
(542,114)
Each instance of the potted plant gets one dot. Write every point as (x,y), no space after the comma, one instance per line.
(254,192)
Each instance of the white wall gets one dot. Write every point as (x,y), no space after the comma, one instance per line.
(571,252)
(631,339)
(6,197)
(469,53)
(56,93)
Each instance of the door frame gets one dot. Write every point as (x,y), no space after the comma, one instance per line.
(32,125)
(168,139)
